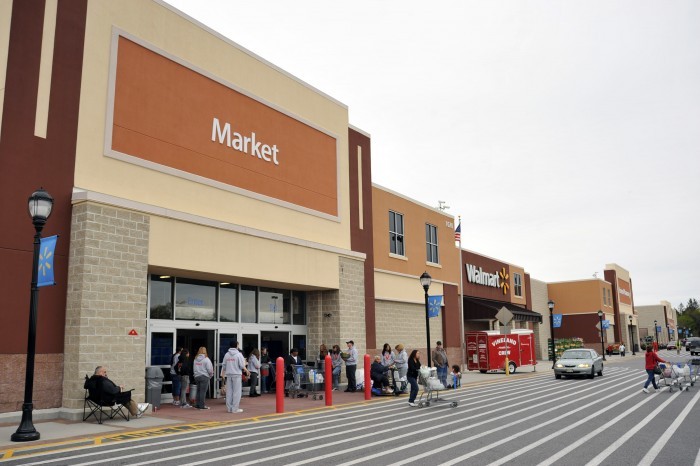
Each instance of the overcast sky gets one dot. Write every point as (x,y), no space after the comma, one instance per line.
(566,134)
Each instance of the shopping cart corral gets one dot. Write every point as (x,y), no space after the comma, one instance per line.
(432,386)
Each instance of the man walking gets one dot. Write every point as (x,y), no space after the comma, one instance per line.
(351,366)
(233,366)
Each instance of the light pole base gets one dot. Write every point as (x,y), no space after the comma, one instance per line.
(26,431)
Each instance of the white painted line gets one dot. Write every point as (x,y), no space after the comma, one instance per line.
(656,449)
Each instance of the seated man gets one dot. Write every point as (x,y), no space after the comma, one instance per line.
(379,375)
(111,393)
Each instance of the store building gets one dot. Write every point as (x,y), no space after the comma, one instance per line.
(625,323)
(201,195)
(411,238)
(664,315)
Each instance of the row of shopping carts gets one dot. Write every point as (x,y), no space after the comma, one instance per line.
(679,374)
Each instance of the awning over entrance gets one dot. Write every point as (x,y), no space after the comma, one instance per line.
(480,309)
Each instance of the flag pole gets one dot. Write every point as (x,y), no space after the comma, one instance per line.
(461,295)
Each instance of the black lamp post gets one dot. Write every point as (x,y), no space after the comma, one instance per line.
(40,204)
(656,332)
(602,343)
(550,305)
(668,332)
(425,281)
(631,337)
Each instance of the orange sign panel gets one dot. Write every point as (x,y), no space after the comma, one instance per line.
(624,291)
(169,114)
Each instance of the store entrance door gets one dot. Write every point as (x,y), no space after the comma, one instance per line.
(277,344)
(192,340)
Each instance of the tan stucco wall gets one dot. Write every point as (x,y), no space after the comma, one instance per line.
(5,18)
(394,287)
(579,297)
(161,27)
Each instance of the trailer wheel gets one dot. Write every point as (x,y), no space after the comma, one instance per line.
(511,367)
(453,404)
(483,371)
(320,397)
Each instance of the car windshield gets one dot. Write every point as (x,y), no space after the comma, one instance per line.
(576,355)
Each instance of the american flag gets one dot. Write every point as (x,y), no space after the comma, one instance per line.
(458,232)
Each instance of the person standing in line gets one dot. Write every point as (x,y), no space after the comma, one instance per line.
(351,367)
(174,359)
(184,368)
(622,350)
(203,371)
(412,376)
(290,361)
(264,369)
(387,355)
(401,360)
(440,360)
(336,364)
(254,368)
(651,359)
(233,366)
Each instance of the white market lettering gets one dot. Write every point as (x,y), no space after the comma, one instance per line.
(625,292)
(246,144)
(480,277)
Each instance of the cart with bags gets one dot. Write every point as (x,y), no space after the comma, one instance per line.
(675,374)
(305,381)
(427,377)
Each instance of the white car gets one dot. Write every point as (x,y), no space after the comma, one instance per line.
(580,361)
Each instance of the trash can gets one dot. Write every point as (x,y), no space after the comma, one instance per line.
(154,386)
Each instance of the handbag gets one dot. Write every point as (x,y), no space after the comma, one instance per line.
(657,369)
(244,377)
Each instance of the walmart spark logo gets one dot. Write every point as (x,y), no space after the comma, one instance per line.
(45,265)
(504,280)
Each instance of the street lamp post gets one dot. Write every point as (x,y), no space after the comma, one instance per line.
(40,205)
(631,337)
(425,281)
(602,343)
(550,305)
(668,332)
(656,332)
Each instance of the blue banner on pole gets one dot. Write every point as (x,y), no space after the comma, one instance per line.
(434,303)
(45,267)
(606,324)
(556,320)
(658,328)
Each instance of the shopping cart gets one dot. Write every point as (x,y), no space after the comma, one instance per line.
(427,377)
(305,381)
(398,383)
(694,366)
(675,374)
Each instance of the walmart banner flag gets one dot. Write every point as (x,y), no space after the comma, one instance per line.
(556,320)
(606,324)
(434,303)
(45,267)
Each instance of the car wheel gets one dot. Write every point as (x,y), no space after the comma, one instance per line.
(557,376)
(592,374)
(600,372)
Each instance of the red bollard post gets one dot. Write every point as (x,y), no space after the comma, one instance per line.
(368,380)
(329,380)
(279,388)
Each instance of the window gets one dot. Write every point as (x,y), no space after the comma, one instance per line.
(299,308)
(274,306)
(195,300)
(431,244)
(249,304)
(396,245)
(518,284)
(228,303)
(161,349)
(161,297)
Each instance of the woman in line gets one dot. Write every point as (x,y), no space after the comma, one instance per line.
(184,372)
(651,360)
(264,370)
(401,360)
(337,364)
(203,371)
(387,355)
(254,368)
(412,376)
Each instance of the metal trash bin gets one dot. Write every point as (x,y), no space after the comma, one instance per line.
(154,386)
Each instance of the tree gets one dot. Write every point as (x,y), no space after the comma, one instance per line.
(692,305)
(681,308)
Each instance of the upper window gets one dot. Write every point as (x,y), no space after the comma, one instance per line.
(518,284)
(396,245)
(431,244)
(195,300)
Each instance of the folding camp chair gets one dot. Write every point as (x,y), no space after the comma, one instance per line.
(98,406)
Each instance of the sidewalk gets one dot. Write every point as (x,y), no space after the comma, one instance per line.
(171,419)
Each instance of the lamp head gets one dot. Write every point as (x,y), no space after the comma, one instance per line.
(40,205)
(630,320)
(425,280)
(550,305)
(600,314)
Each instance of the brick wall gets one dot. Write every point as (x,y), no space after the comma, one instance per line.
(48,376)
(107,293)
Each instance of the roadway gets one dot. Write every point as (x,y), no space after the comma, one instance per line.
(534,420)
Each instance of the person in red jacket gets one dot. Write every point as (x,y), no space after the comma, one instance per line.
(651,359)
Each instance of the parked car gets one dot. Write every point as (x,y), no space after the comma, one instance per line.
(692,344)
(580,361)
(613,348)
(671,346)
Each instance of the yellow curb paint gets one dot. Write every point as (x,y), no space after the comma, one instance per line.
(7,454)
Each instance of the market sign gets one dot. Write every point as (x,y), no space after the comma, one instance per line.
(624,292)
